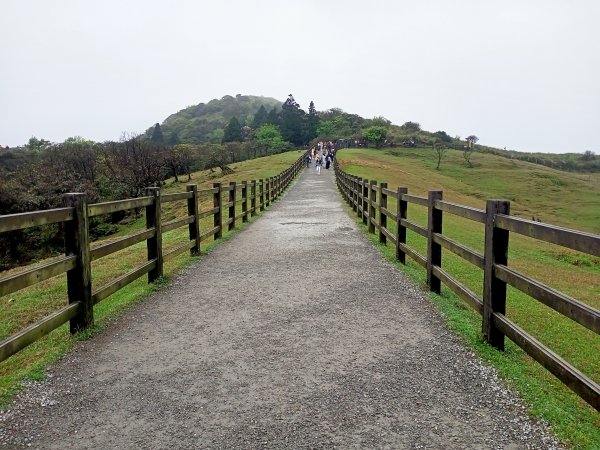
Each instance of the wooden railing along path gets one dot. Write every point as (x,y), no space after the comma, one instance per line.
(253,196)
(370,199)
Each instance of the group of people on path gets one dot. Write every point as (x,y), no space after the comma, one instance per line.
(323,153)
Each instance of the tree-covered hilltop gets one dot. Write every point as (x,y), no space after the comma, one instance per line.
(205,123)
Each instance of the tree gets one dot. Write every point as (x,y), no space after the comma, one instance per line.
(260,118)
(157,135)
(412,126)
(312,123)
(467,153)
(292,121)
(472,140)
(270,136)
(375,134)
(588,155)
(440,151)
(273,116)
(443,136)
(233,131)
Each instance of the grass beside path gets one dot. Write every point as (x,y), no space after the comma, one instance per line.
(576,205)
(25,307)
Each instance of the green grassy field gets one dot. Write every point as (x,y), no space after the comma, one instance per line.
(25,307)
(570,200)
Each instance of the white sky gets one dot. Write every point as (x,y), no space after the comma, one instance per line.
(520,74)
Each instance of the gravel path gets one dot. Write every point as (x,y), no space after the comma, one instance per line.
(345,353)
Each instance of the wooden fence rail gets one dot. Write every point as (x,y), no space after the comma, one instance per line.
(361,195)
(78,254)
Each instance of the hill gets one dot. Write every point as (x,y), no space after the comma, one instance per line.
(204,123)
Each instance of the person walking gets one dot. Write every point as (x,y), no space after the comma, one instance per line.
(318,162)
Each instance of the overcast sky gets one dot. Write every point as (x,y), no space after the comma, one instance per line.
(521,74)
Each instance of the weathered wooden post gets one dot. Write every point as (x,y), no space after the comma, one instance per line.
(261,198)
(359,197)
(79,278)
(244,201)
(194,227)
(382,216)
(434,250)
(268,191)
(232,200)
(372,202)
(354,194)
(154,244)
(253,199)
(401,213)
(365,213)
(218,215)
(494,289)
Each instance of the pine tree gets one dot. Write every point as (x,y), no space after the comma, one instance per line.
(292,121)
(233,131)
(157,135)
(312,123)
(273,117)
(260,118)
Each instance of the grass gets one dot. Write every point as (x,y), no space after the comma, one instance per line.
(25,307)
(576,423)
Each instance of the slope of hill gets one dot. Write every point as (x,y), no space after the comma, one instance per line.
(204,122)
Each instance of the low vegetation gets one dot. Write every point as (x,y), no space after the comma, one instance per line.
(566,199)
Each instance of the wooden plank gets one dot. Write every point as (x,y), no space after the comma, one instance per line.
(586,388)
(389,235)
(459,289)
(577,240)
(208,212)
(208,191)
(414,227)
(464,252)
(390,192)
(172,252)
(414,199)
(177,223)
(33,332)
(226,188)
(166,198)
(240,216)
(388,213)
(209,233)
(228,221)
(112,287)
(416,256)
(120,244)
(12,222)
(477,215)
(97,209)
(567,306)
(227,205)
(19,281)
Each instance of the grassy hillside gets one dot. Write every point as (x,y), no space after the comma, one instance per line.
(555,197)
(24,307)
(204,122)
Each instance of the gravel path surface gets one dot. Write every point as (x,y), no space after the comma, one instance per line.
(345,353)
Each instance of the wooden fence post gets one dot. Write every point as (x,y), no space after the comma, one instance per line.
(365,210)
(401,212)
(494,289)
(253,199)
(244,201)
(359,198)
(218,216)
(194,227)
(79,279)
(372,202)
(382,216)
(154,244)
(434,250)
(232,200)
(354,194)
(261,198)
(267,191)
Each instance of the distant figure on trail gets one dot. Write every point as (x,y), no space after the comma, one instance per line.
(328,162)
(308,160)
(318,163)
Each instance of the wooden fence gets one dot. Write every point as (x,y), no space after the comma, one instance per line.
(370,202)
(253,196)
